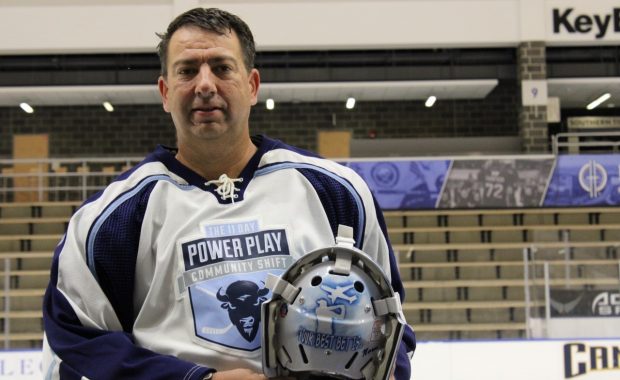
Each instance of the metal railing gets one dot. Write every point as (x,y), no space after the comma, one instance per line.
(575,142)
(549,272)
(58,179)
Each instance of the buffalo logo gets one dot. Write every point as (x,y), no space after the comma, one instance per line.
(243,299)
(385,174)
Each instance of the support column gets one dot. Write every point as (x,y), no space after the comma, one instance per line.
(532,65)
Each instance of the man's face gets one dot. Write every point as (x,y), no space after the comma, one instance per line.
(208,90)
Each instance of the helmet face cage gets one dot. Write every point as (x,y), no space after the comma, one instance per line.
(327,322)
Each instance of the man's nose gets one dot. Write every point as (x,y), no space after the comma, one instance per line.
(205,85)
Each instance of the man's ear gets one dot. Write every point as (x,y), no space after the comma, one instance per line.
(254,83)
(163,92)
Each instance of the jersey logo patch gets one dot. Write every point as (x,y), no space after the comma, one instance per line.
(243,300)
(224,274)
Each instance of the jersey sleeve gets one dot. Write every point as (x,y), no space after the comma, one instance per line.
(348,200)
(88,306)
(377,236)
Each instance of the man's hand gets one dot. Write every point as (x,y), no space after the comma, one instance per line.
(242,374)
(238,374)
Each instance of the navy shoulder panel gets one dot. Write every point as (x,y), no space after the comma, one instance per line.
(114,250)
(339,203)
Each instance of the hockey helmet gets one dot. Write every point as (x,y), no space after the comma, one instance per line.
(333,314)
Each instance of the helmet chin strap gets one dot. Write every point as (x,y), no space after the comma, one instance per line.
(281,287)
(345,236)
(343,257)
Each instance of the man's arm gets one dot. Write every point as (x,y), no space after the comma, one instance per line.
(407,347)
(86,335)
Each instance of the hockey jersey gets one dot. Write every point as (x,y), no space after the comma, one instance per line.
(161,275)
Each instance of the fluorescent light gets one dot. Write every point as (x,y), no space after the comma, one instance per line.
(270,104)
(350,103)
(26,107)
(430,101)
(108,106)
(598,101)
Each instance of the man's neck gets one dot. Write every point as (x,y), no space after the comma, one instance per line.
(213,160)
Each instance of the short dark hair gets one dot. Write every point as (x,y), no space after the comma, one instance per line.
(212,20)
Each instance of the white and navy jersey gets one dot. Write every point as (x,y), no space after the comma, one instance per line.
(159,277)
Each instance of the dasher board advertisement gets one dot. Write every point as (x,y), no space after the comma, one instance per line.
(578,359)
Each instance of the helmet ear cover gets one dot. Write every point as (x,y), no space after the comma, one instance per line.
(333,314)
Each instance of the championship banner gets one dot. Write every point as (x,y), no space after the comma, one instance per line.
(585,303)
(585,180)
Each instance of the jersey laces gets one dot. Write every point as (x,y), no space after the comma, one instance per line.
(225,187)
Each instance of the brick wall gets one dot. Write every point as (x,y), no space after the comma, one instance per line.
(135,130)
(531,62)
(90,130)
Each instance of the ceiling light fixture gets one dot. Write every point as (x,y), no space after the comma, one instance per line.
(26,107)
(350,103)
(430,101)
(599,101)
(270,104)
(108,106)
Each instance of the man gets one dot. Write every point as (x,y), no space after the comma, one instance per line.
(160,276)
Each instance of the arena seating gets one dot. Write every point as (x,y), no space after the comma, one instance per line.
(28,234)
(463,270)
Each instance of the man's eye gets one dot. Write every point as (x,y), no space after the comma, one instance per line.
(186,71)
(223,69)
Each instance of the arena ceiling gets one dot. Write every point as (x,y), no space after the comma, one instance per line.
(573,92)
(575,75)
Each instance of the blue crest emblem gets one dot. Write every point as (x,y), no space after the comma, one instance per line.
(385,174)
(242,300)
(224,274)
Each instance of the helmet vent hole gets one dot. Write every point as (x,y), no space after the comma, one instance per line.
(316,280)
(359,286)
(350,362)
(288,356)
(303,354)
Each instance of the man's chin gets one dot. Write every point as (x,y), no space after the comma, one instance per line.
(209,134)
(196,122)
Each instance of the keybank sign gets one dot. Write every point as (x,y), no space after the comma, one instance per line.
(572,22)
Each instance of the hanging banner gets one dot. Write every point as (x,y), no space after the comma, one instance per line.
(407,184)
(495,182)
(585,180)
